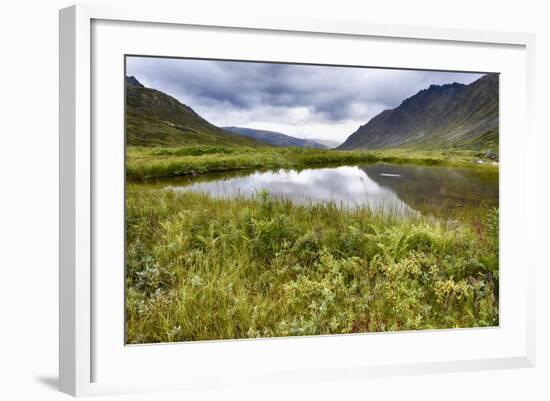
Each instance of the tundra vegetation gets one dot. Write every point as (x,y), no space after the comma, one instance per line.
(201,267)
(206,268)
(144,163)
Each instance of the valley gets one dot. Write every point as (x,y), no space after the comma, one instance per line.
(242,233)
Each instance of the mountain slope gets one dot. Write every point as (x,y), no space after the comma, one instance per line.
(447,115)
(155,119)
(275,138)
(331,144)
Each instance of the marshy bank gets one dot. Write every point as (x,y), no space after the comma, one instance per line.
(201,267)
(144,163)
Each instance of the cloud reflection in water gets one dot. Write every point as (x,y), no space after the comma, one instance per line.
(345,186)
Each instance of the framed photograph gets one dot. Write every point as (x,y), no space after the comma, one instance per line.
(266,200)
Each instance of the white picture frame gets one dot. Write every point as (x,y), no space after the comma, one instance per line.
(80,219)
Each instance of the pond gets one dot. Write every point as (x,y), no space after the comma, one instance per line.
(398,188)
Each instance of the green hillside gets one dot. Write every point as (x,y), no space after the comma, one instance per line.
(275,138)
(439,117)
(154,118)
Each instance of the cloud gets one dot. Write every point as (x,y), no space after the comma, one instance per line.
(324,102)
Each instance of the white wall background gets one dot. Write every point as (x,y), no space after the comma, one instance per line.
(29,186)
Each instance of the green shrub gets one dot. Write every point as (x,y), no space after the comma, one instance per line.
(200,268)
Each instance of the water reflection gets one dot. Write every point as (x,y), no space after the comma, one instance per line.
(396,188)
(424,187)
(345,186)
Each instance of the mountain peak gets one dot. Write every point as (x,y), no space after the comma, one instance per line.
(132,81)
(446,86)
(154,118)
(274,138)
(432,92)
(441,115)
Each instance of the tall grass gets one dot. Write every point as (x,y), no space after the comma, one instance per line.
(143,163)
(200,268)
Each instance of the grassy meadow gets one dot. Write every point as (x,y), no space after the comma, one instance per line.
(163,162)
(205,268)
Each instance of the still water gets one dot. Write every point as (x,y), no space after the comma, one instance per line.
(402,188)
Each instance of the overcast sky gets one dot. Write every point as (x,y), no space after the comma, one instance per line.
(299,100)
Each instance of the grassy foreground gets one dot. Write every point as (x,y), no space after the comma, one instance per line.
(149,162)
(200,268)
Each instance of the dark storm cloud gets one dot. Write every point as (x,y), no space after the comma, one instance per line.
(224,91)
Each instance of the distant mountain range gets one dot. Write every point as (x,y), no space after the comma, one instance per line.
(440,116)
(154,118)
(327,142)
(275,138)
(452,115)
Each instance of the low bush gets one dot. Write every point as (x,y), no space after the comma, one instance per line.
(200,268)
